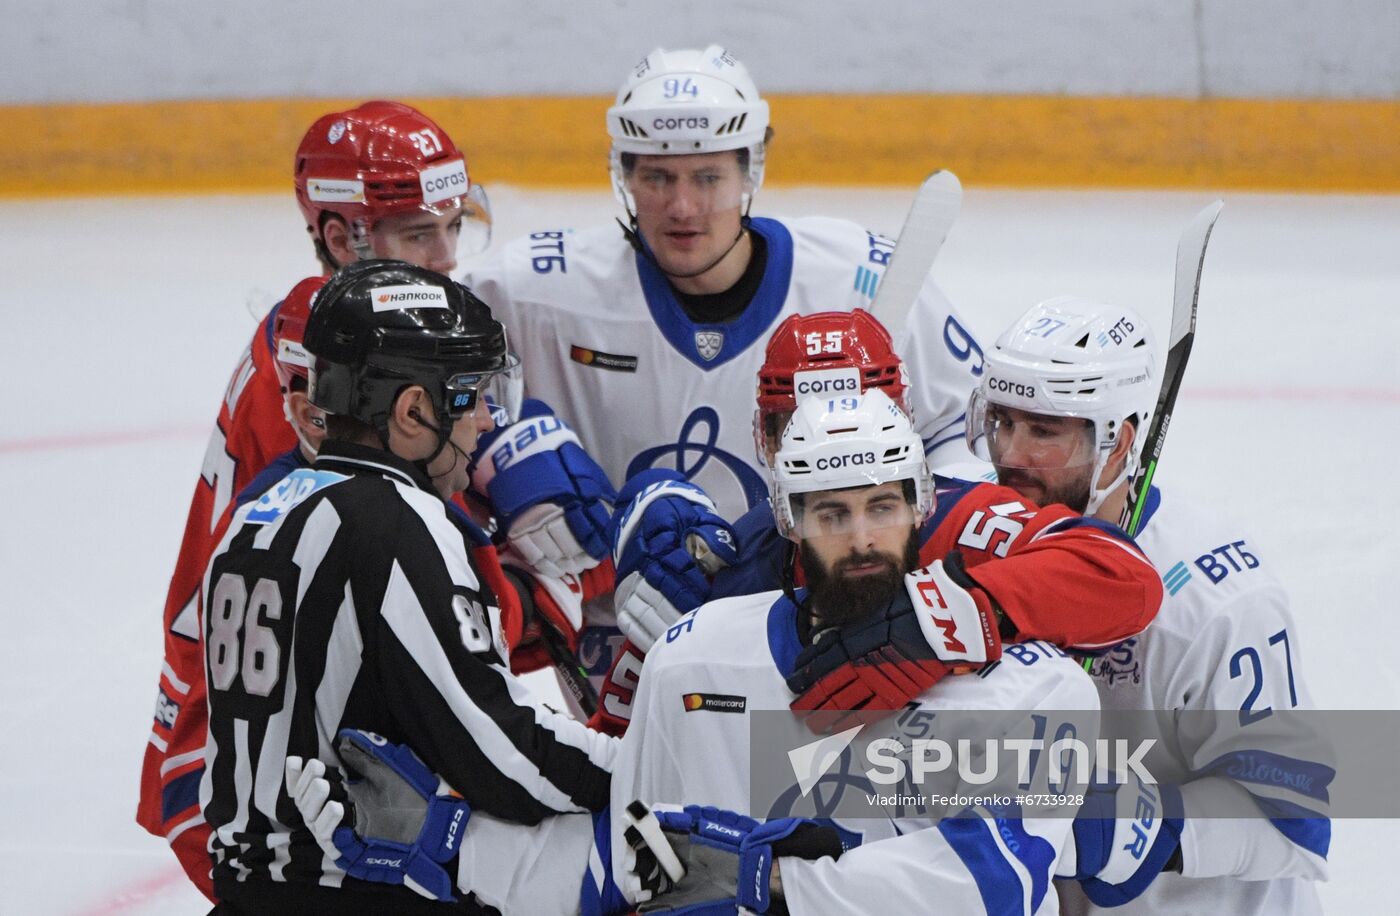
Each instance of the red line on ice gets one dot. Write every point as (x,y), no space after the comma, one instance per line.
(66,441)
(134,895)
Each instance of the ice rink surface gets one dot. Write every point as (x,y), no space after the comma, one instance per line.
(122,319)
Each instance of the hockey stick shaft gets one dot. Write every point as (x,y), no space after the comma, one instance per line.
(1186,293)
(931,216)
(569,669)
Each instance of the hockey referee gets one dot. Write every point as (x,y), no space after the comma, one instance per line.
(345,598)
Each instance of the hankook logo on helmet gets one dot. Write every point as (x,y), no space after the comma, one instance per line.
(336,132)
(1017,388)
(443,182)
(334,190)
(388,298)
(691,123)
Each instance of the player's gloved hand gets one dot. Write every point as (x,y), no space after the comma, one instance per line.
(553,501)
(941,623)
(667,540)
(395,822)
(551,613)
(1125,835)
(708,860)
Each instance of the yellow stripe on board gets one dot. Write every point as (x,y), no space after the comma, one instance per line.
(1035,141)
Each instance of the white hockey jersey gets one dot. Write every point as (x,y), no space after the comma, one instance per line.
(1224,640)
(605,343)
(681,750)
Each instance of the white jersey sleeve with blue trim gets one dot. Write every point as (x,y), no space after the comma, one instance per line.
(1225,639)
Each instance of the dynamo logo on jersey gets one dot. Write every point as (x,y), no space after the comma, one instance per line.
(288,493)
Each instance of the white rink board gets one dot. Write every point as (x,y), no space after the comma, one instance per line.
(122,319)
(146,50)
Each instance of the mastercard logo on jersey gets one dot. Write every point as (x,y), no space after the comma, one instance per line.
(600,360)
(714,702)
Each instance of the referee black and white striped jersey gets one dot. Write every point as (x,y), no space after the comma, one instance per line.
(344,597)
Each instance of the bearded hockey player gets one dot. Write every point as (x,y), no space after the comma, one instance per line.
(1067,396)
(646,336)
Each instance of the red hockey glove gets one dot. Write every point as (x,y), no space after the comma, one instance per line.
(941,623)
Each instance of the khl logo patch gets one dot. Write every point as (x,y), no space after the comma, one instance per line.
(708,343)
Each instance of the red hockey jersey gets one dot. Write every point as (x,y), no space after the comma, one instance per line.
(251,430)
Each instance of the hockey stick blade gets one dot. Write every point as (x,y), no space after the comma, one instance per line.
(1190,259)
(931,216)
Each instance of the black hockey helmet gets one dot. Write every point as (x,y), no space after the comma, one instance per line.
(379,326)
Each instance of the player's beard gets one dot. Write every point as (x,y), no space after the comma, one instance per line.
(837,599)
(1072,493)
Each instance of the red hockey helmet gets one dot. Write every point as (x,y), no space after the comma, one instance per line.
(826,354)
(289,329)
(379,159)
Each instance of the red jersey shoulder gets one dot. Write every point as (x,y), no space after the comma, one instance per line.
(983,521)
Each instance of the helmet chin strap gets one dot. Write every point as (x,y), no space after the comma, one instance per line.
(1098,495)
(444,440)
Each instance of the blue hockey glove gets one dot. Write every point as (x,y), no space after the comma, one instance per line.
(394,824)
(704,860)
(667,540)
(1125,835)
(552,500)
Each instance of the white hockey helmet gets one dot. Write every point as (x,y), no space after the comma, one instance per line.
(839,443)
(1070,357)
(683,102)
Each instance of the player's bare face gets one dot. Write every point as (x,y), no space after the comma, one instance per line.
(423,238)
(688,210)
(857,544)
(1046,459)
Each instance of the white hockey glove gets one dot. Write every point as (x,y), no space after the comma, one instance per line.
(552,499)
